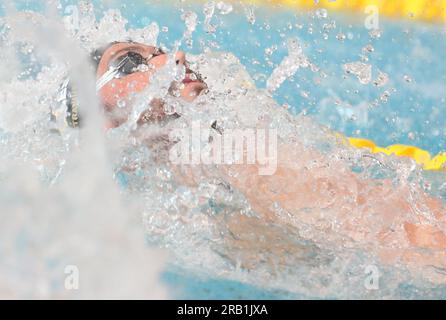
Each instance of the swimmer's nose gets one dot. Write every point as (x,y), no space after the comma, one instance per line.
(180,58)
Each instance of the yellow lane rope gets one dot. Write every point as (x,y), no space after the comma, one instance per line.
(426,10)
(422,157)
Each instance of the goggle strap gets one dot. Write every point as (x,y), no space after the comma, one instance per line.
(110,74)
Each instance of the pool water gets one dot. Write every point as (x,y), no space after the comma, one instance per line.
(406,105)
(410,52)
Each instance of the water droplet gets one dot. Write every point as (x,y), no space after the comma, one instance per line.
(190,19)
(361,70)
(375,34)
(170,108)
(340,36)
(269,51)
(250,15)
(407,78)
(327,27)
(368,49)
(383,79)
(224,8)
(208,11)
(143,68)
(385,96)
(290,64)
(322,13)
(121,104)
(209,8)
(305,94)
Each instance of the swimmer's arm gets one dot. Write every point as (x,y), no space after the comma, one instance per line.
(308,183)
(309,189)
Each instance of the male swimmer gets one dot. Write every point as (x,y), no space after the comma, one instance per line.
(344,206)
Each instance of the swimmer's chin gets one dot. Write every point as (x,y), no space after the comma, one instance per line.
(192,90)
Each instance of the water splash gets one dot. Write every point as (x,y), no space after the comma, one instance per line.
(295,60)
(190,19)
(250,14)
(362,71)
(208,11)
(382,79)
(224,8)
(212,224)
(66,211)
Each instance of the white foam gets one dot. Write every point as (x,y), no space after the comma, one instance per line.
(60,205)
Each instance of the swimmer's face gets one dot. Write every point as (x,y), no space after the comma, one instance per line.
(136,75)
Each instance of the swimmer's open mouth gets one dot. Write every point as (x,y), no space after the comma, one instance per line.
(188,80)
(194,79)
(192,76)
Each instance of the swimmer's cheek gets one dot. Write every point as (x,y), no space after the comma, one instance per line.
(425,236)
(119,89)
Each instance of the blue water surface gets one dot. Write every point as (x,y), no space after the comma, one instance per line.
(410,52)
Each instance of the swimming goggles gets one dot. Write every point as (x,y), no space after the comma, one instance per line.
(122,66)
(125,65)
